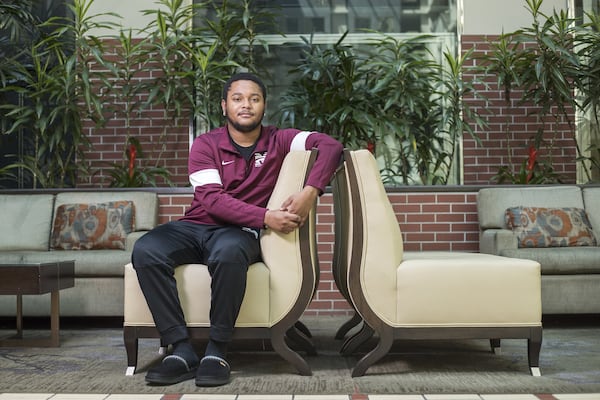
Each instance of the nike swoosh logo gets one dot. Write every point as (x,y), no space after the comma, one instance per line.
(227,162)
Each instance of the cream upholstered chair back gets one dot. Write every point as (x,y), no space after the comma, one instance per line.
(285,255)
(377,247)
(278,290)
(342,231)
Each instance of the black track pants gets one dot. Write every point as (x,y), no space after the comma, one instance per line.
(226,250)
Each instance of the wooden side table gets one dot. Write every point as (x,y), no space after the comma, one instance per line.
(36,278)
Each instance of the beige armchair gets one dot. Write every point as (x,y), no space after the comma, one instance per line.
(430,295)
(278,289)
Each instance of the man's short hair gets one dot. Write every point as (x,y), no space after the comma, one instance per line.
(244,76)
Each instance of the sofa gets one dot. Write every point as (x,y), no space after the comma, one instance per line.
(96,229)
(558,226)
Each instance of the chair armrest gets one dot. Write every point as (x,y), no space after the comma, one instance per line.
(493,241)
(132,238)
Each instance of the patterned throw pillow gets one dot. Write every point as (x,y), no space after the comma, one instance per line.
(92,226)
(550,227)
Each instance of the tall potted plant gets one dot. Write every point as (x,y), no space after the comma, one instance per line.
(52,79)
(540,63)
(330,93)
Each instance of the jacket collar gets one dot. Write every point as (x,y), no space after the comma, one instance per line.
(261,146)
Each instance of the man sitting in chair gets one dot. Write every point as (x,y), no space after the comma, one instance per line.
(233,170)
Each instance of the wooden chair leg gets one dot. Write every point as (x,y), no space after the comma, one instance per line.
(347,326)
(386,339)
(131,347)
(495,345)
(303,328)
(299,338)
(534,346)
(355,341)
(279,345)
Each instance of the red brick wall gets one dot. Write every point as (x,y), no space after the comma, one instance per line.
(429,220)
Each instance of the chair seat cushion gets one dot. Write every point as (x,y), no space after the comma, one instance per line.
(467,289)
(193,283)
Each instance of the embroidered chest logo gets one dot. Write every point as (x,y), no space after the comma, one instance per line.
(259,159)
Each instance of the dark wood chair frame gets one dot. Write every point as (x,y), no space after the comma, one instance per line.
(341,212)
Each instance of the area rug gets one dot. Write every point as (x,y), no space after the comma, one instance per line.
(93,360)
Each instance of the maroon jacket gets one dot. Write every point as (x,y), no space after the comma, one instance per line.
(228,190)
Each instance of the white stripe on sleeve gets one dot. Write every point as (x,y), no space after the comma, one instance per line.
(299,141)
(205,177)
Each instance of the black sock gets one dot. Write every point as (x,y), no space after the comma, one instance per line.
(185,350)
(215,348)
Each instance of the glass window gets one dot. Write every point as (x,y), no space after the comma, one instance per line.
(327,20)
(339,16)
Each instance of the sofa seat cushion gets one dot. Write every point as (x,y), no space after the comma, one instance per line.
(12,256)
(88,263)
(561,260)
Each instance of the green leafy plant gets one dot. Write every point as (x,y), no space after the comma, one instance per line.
(550,68)
(393,99)
(422,105)
(52,80)
(123,91)
(457,117)
(172,88)
(500,61)
(539,63)
(330,94)
(402,75)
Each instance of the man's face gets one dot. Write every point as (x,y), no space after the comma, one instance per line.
(245,106)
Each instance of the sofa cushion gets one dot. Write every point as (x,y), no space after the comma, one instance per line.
(550,227)
(591,199)
(146,203)
(86,226)
(26,221)
(492,202)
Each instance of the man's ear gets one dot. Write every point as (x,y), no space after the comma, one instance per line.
(224,107)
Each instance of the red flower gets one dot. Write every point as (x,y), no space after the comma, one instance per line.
(371,147)
(533,152)
(131,153)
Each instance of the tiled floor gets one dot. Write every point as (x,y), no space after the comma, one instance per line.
(79,396)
